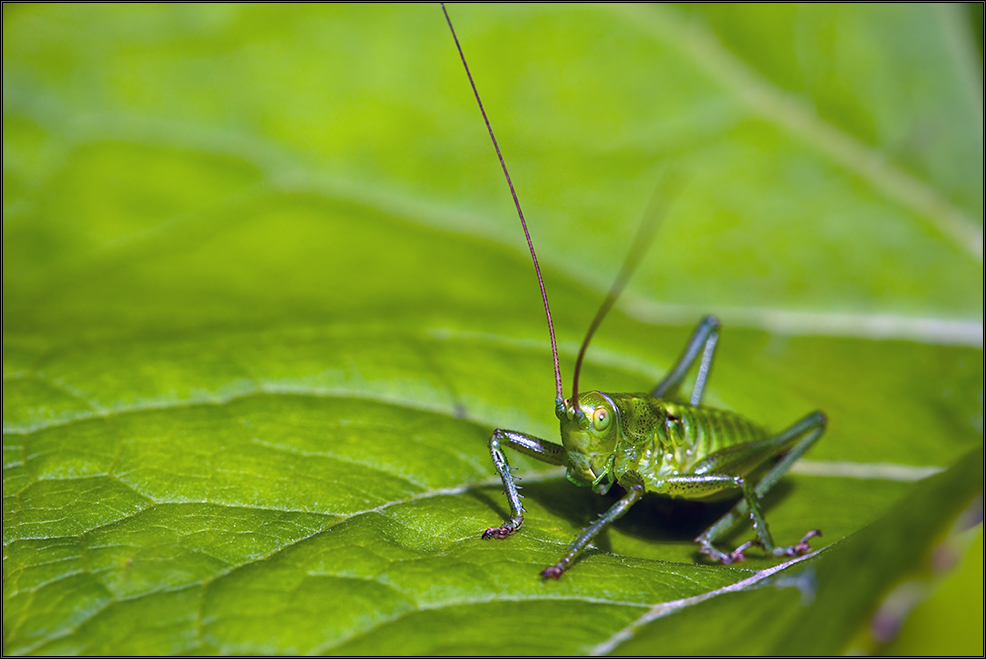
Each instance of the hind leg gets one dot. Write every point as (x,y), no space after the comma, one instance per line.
(706,334)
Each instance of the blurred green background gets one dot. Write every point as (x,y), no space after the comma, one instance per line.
(265,297)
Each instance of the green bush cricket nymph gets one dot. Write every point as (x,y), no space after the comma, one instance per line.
(645,442)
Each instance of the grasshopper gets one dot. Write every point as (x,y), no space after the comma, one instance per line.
(647,442)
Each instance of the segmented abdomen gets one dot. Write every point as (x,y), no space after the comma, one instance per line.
(694,433)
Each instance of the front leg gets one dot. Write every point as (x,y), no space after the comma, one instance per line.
(529,445)
(634,485)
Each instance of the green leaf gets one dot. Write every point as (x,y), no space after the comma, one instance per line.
(265,299)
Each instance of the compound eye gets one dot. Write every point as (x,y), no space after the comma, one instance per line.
(601,418)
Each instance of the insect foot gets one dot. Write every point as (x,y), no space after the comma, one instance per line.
(717,556)
(800,548)
(738,555)
(553,571)
(802,545)
(498,532)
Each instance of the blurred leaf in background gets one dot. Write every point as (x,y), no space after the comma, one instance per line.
(265,298)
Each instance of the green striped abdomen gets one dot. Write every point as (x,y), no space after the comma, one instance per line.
(683,438)
(694,433)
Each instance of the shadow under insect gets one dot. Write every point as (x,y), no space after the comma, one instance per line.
(657,518)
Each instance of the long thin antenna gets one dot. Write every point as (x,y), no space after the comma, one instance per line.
(642,241)
(544,296)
